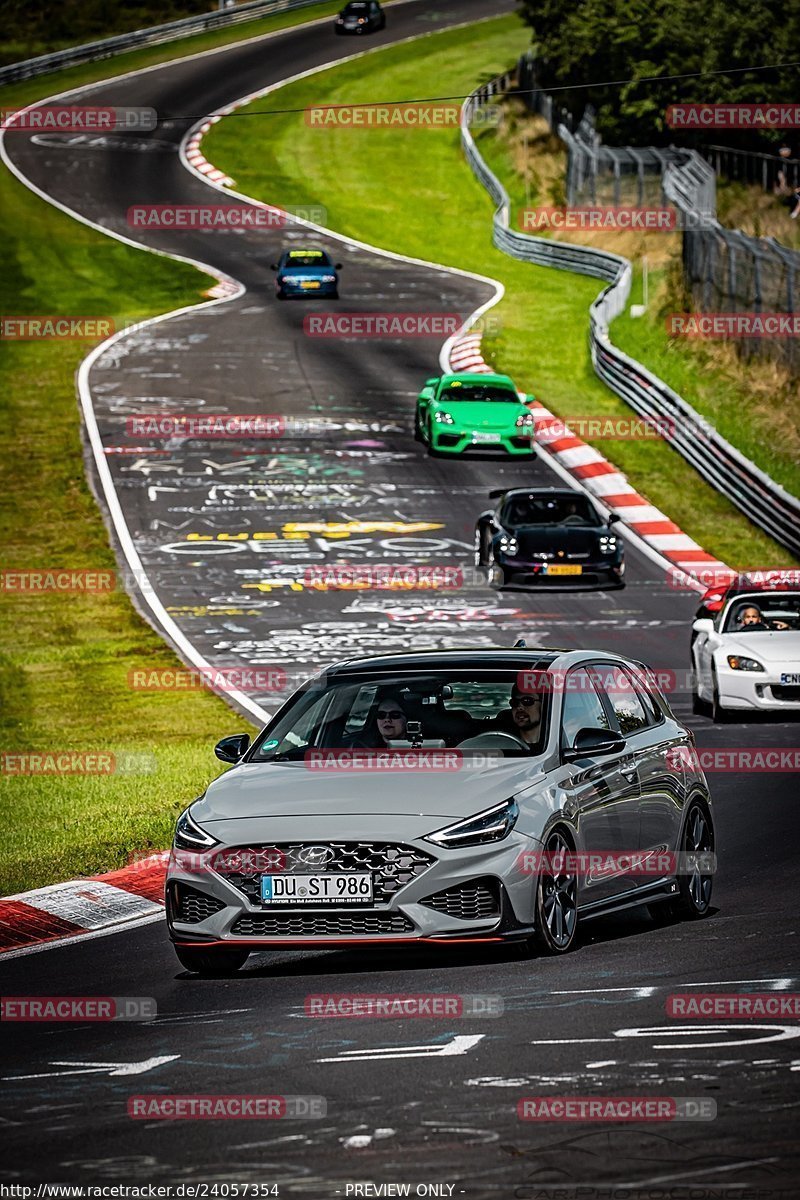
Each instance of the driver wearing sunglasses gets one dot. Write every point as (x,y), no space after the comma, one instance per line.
(526,715)
(391,720)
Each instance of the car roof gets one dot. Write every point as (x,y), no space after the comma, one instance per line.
(305,250)
(477,377)
(485,659)
(554,492)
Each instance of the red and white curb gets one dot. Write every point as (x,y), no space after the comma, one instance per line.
(83,907)
(600,477)
(198,160)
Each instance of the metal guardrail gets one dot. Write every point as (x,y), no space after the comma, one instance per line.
(108,47)
(765,502)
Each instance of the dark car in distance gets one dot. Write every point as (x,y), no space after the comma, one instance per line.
(361,16)
(540,537)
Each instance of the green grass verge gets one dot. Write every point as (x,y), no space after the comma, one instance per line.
(65,659)
(410,191)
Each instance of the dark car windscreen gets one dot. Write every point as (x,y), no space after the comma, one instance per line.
(478,394)
(550,510)
(440,710)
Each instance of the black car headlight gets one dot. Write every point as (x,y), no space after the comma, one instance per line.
(490,826)
(191,836)
(444,418)
(608,544)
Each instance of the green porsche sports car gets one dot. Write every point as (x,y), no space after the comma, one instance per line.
(474,412)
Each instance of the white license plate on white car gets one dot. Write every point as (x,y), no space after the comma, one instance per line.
(334,887)
(486,437)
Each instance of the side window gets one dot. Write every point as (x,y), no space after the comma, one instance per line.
(651,705)
(625,701)
(582,708)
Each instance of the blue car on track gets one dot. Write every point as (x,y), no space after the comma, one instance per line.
(306,271)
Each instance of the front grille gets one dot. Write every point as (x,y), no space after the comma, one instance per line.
(471,901)
(329,924)
(392,865)
(786,691)
(191,906)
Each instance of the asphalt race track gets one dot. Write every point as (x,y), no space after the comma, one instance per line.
(349,485)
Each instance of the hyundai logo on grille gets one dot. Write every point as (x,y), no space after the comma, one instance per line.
(315,856)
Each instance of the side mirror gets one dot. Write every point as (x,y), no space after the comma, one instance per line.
(337,266)
(703,625)
(231,749)
(589,743)
(613,518)
(273,266)
(431,382)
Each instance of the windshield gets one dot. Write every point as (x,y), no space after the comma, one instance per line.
(307,258)
(764,612)
(550,510)
(476,393)
(353,10)
(467,709)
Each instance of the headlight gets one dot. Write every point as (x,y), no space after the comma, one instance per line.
(444,418)
(608,545)
(509,546)
(490,826)
(737,663)
(329,279)
(191,836)
(526,421)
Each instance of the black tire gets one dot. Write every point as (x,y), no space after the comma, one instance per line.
(693,901)
(207,961)
(695,887)
(417,428)
(556,901)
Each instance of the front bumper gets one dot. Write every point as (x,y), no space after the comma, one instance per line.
(759,691)
(325,290)
(521,574)
(447,440)
(471,894)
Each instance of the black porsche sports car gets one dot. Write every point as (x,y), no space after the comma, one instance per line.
(538,537)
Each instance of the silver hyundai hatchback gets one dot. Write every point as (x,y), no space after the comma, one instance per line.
(445,796)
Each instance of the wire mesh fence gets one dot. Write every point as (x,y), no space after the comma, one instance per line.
(724,270)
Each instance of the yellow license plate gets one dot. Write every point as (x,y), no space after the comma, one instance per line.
(309,285)
(563,570)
